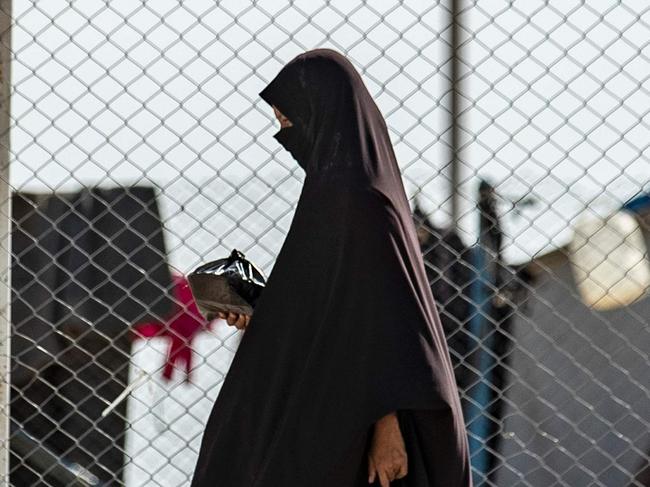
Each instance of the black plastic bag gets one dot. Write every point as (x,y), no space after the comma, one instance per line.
(230,284)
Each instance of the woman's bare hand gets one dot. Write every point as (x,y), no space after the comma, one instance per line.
(238,320)
(387,457)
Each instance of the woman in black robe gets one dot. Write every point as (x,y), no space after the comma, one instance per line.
(346,334)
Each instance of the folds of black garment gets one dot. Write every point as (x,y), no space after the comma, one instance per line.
(342,335)
(85,266)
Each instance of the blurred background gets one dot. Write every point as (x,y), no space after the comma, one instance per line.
(135,147)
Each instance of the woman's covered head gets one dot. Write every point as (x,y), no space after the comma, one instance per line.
(307,85)
(329,121)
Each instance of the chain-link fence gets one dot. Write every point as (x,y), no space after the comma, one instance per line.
(139,149)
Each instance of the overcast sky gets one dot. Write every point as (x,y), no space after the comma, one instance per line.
(555,103)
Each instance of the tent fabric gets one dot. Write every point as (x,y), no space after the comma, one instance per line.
(576,410)
(86,265)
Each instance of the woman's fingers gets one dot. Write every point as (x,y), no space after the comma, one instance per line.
(232,318)
(387,450)
(385,471)
(238,320)
(241,321)
(371,470)
(383,479)
(385,474)
(401,473)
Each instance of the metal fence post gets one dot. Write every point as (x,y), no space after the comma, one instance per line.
(5,230)
(454,171)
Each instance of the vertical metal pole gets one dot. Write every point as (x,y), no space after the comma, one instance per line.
(454,173)
(5,236)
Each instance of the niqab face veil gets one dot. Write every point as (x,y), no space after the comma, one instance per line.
(338,131)
(346,329)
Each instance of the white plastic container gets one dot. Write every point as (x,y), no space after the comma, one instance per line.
(609,260)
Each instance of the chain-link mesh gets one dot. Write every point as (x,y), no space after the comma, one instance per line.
(140,149)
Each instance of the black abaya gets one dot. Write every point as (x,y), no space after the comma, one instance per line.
(346,329)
